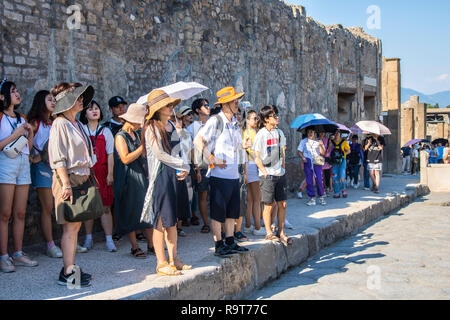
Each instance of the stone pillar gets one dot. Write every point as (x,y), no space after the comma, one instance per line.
(420,120)
(391,100)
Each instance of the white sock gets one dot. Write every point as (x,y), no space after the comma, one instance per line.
(109,239)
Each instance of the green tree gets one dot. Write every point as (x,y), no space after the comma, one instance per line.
(430,106)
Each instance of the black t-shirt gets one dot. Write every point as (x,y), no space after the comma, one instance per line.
(374,154)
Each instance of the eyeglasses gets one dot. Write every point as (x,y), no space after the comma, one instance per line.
(275,116)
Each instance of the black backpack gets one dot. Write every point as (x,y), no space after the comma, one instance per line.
(336,155)
(354,157)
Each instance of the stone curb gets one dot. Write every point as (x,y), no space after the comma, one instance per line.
(239,275)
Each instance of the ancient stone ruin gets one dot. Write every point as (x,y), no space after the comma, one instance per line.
(269,49)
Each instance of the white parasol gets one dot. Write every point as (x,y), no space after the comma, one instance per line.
(179,90)
(367,127)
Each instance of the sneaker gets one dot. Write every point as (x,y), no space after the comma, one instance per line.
(24,261)
(110,246)
(311,202)
(54,252)
(181,233)
(344,194)
(7,265)
(322,201)
(88,244)
(249,230)
(85,279)
(287,225)
(260,232)
(299,195)
(239,236)
(235,248)
(81,249)
(336,196)
(223,251)
(367,188)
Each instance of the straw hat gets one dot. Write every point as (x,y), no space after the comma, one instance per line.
(227,94)
(135,113)
(66,99)
(158,99)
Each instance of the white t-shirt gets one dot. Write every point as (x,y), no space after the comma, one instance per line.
(309,148)
(227,146)
(268,144)
(109,138)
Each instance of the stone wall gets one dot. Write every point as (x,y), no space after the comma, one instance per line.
(266,48)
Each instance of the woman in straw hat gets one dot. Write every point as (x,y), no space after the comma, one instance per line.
(130,180)
(166,169)
(70,157)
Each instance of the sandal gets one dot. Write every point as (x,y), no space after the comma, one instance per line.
(271,237)
(141,237)
(286,240)
(165,269)
(138,253)
(179,265)
(195,221)
(151,251)
(205,229)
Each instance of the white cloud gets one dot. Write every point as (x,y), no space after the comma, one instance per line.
(443,77)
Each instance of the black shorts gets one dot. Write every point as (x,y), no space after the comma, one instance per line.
(224,199)
(273,188)
(204,184)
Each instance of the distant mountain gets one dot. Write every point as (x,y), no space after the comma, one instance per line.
(443,98)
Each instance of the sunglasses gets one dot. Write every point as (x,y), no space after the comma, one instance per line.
(275,116)
(206,105)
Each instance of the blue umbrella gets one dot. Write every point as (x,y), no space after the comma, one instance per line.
(300,120)
(323,124)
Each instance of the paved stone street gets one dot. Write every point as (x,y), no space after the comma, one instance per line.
(402,256)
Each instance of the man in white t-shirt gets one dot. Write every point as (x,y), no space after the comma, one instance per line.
(220,141)
(269,147)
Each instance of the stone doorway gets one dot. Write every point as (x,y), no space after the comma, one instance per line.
(369,107)
(345,103)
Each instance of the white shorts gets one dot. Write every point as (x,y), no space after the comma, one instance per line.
(252,172)
(15,171)
(375,166)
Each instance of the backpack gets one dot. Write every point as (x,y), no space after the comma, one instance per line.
(336,155)
(200,159)
(354,157)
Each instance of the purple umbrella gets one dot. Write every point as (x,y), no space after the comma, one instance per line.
(343,128)
(411,142)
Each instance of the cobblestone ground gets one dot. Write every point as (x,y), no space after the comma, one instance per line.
(402,256)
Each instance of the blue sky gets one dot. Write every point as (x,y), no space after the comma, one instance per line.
(416,31)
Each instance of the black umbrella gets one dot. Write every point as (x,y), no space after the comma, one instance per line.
(440,140)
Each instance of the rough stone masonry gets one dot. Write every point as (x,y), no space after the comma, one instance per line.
(267,48)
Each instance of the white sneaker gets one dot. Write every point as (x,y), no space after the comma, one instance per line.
(110,246)
(88,244)
(322,201)
(287,225)
(299,195)
(7,265)
(24,261)
(249,230)
(260,232)
(54,252)
(356,186)
(367,189)
(311,202)
(81,249)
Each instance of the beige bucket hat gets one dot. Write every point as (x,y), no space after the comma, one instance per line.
(135,113)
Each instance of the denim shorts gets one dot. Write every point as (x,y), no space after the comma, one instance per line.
(41,175)
(15,171)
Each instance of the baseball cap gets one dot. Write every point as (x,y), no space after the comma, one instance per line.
(184,110)
(115,101)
